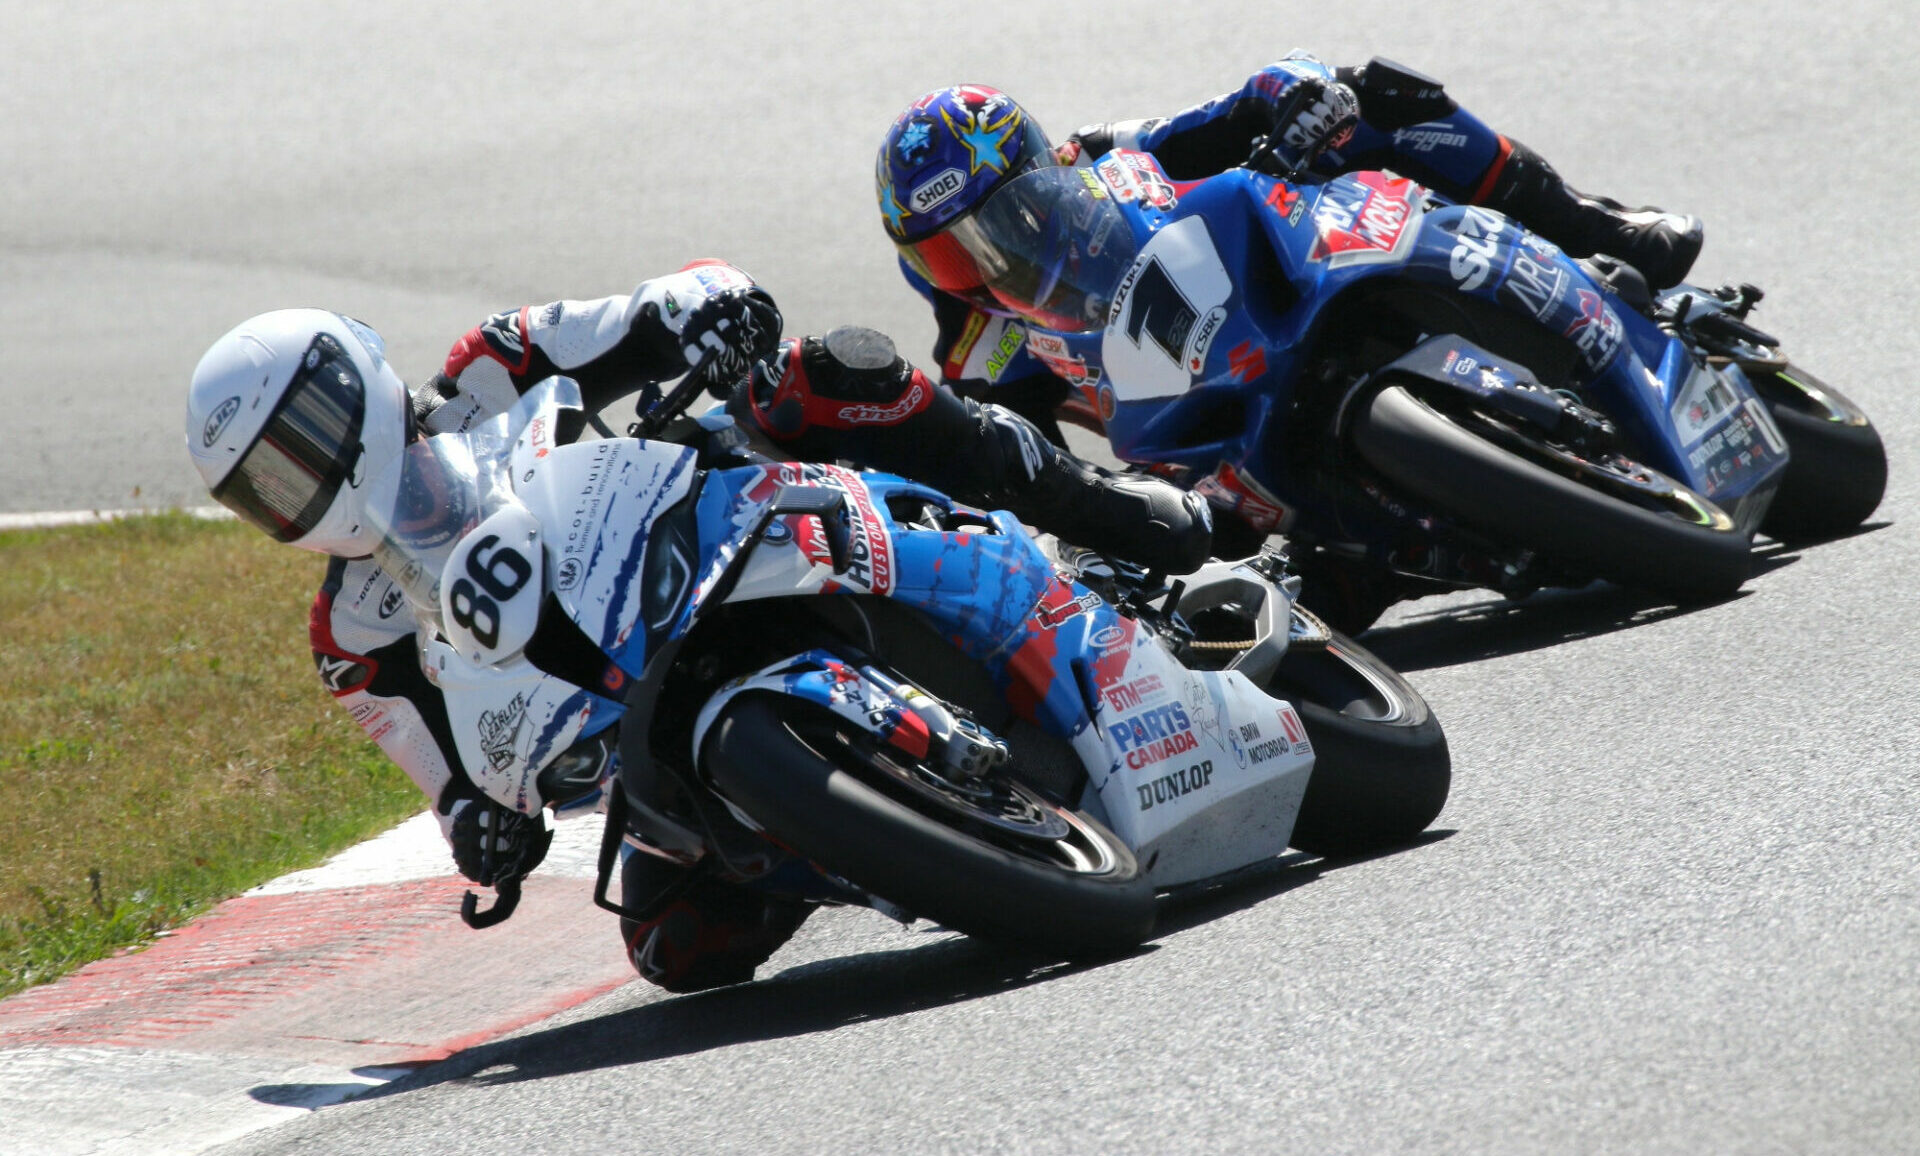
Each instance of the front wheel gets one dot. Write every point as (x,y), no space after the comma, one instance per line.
(1837,468)
(1603,516)
(991,858)
(1381,769)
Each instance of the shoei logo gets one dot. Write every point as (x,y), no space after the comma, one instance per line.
(217,421)
(937,191)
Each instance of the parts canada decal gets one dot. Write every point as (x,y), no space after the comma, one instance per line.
(1154,736)
(1364,219)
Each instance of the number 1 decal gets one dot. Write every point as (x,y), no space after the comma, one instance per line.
(1158,308)
(1165,314)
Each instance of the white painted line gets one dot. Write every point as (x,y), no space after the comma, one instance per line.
(415,850)
(47,519)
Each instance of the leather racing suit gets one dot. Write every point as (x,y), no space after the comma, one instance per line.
(1407,123)
(363,634)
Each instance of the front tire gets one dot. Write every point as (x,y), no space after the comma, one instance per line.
(1669,540)
(1014,867)
(1837,472)
(1381,768)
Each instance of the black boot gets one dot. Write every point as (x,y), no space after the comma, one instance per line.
(850,395)
(1134,517)
(1661,245)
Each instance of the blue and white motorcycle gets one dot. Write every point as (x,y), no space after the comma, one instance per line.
(846,688)
(1420,395)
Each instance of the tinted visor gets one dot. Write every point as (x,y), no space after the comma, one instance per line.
(1048,245)
(289,476)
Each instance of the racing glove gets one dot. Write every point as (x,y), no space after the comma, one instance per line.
(1312,116)
(476,826)
(738,326)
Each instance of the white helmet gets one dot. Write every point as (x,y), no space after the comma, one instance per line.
(291,419)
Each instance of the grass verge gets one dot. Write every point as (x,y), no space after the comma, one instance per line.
(164,743)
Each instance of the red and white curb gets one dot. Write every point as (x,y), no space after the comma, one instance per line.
(304,992)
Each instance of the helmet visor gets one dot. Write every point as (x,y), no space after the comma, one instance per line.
(1049,245)
(289,476)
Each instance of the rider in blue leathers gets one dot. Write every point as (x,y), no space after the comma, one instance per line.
(951,149)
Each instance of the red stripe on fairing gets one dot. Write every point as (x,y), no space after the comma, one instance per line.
(1485,188)
(1031,673)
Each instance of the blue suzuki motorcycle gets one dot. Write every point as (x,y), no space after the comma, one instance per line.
(1420,395)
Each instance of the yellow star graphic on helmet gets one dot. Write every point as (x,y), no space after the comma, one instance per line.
(985,137)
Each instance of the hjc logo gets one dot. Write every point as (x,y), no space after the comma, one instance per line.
(217,421)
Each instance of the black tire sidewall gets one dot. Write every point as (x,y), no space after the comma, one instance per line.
(828,815)
(1375,784)
(1836,476)
(1494,490)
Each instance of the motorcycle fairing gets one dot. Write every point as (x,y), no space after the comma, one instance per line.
(599,502)
(1329,238)
(510,719)
(828,681)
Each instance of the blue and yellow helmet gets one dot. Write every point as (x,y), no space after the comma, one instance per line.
(947,153)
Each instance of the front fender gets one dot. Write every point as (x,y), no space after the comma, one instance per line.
(824,679)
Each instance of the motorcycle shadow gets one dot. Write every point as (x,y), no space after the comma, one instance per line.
(1185,908)
(813,997)
(1449,630)
(1490,626)
(801,1000)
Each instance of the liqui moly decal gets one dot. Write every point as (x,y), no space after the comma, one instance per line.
(1366,218)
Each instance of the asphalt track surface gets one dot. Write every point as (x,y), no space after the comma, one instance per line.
(1673,905)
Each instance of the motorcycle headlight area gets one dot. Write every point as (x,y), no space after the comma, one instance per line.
(666,576)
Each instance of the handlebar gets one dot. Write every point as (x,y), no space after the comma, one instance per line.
(655,418)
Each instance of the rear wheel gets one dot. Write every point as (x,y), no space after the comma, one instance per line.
(1599,515)
(992,857)
(1837,473)
(1381,769)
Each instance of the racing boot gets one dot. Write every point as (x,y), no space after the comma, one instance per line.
(1135,517)
(850,395)
(1661,245)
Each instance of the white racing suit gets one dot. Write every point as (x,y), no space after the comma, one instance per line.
(363,633)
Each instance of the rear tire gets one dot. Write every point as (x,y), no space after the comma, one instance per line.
(1837,473)
(810,780)
(1512,498)
(1381,769)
